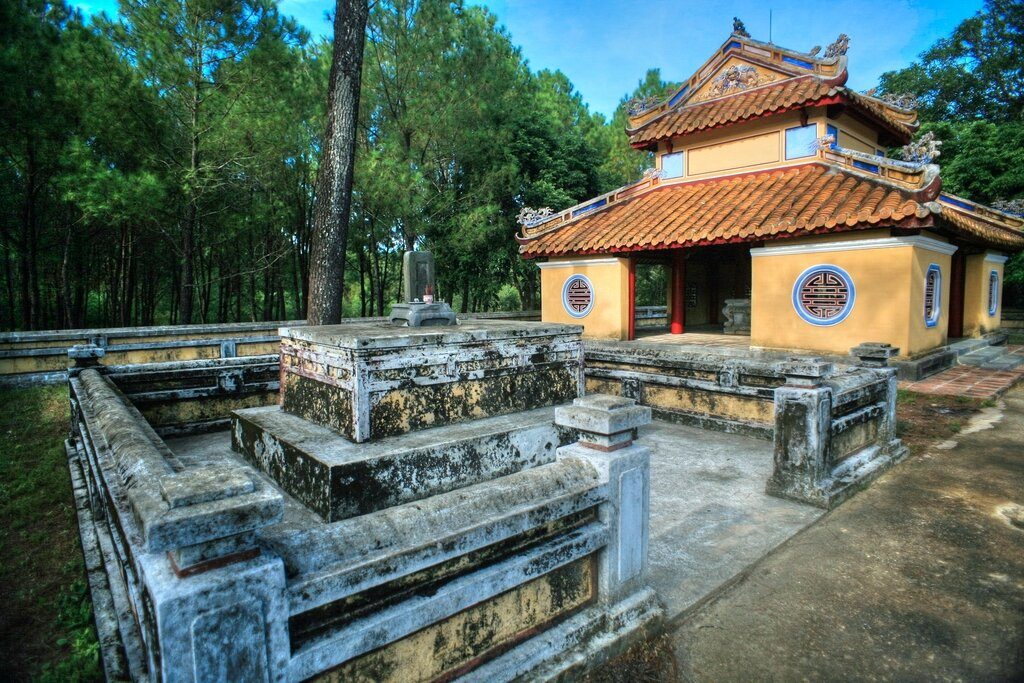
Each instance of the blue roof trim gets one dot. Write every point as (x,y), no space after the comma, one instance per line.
(678,96)
(589,207)
(865,166)
(956,202)
(732,45)
(799,62)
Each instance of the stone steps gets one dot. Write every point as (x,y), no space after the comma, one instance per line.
(954,354)
(338,479)
(992,358)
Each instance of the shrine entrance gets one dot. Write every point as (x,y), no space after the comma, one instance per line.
(690,290)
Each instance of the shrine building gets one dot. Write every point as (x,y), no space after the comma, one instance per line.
(773,211)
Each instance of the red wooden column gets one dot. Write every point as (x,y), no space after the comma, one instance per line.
(678,314)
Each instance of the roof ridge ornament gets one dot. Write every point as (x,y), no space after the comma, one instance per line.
(529,217)
(739,28)
(907,101)
(923,150)
(1013,207)
(825,142)
(838,47)
(640,105)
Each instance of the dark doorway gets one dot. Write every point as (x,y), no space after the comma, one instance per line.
(652,277)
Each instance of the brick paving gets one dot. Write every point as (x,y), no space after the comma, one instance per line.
(966,380)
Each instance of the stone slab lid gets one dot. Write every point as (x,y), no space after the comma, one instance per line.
(383,335)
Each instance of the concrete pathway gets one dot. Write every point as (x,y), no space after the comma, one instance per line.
(710,516)
(919,577)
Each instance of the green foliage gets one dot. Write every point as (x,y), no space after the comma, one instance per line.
(975,73)
(508,299)
(652,285)
(158,165)
(982,160)
(971,90)
(176,145)
(624,164)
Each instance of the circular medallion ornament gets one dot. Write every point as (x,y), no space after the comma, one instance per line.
(578,296)
(823,295)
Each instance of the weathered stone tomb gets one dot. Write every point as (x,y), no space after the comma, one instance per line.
(424,504)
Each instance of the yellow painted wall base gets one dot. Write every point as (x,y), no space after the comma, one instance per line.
(445,648)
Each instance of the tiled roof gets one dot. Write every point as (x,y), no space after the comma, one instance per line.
(816,197)
(983,230)
(779,96)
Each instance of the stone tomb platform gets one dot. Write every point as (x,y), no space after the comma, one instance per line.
(338,479)
(372,380)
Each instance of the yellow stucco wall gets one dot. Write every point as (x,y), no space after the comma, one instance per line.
(854,134)
(977,320)
(923,337)
(609,277)
(740,148)
(888,279)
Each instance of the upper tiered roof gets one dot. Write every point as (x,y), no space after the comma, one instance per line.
(748,79)
(834,190)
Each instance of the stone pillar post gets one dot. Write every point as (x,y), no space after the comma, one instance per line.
(803,420)
(217,600)
(607,426)
(226,623)
(81,357)
(84,356)
(876,355)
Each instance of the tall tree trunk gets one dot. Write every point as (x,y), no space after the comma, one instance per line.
(334,179)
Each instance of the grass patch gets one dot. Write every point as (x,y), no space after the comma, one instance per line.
(46,631)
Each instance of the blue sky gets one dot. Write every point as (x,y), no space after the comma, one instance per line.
(605,46)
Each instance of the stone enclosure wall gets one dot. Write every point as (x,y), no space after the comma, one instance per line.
(28,358)
(832,425)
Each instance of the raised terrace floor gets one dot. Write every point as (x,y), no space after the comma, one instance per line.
(710,517)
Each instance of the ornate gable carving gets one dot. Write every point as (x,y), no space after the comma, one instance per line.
(735,77)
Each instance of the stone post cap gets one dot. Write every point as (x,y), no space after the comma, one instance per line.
(806,370)
(602,415)
(203,485)
(86,352)
(875,354)
(83,357)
